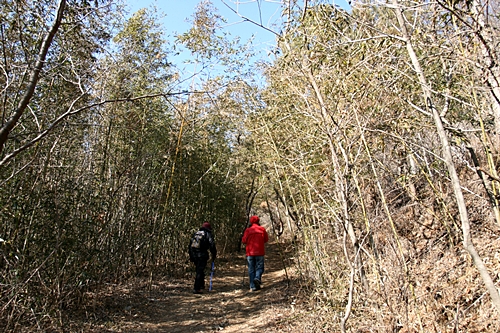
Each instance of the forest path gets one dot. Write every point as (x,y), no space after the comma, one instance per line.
(170,306)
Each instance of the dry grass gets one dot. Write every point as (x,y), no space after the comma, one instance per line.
(439,290)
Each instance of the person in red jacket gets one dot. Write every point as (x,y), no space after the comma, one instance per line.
(255,237)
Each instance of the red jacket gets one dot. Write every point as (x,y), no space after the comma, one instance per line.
(255,237)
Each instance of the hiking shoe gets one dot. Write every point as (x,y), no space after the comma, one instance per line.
(197,292)
(257,284)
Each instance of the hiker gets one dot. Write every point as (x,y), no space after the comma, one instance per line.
(201,242)
(255,237)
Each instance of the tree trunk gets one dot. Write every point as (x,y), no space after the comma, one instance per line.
(455,181)
(35,74)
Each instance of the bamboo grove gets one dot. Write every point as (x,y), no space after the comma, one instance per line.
(373,143)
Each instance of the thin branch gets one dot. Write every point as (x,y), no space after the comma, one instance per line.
(246,19)
(70,112)
(35,74)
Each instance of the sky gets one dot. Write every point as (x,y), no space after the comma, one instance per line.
(179,11)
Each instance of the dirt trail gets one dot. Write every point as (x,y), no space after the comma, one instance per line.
(170,306)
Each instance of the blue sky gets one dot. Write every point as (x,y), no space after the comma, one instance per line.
(179,11)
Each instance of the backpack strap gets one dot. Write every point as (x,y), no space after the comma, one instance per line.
(199,241)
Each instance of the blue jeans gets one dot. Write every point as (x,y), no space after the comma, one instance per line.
(255,269)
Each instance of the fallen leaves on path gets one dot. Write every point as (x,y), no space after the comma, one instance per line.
(170,305)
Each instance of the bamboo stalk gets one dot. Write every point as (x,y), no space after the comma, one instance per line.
(455,181)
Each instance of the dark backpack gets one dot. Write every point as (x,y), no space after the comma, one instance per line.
(199,243)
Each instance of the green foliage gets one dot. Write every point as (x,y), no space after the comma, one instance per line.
(115,191)
(340,137)
(214,48)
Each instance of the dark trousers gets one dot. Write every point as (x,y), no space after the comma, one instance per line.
(199,281)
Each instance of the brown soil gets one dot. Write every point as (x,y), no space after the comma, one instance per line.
(170,305)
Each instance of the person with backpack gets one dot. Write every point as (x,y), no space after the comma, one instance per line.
(201,243)
(255,238)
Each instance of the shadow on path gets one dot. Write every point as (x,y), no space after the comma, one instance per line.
(170,306)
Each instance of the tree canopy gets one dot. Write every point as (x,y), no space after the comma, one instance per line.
(371,148)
